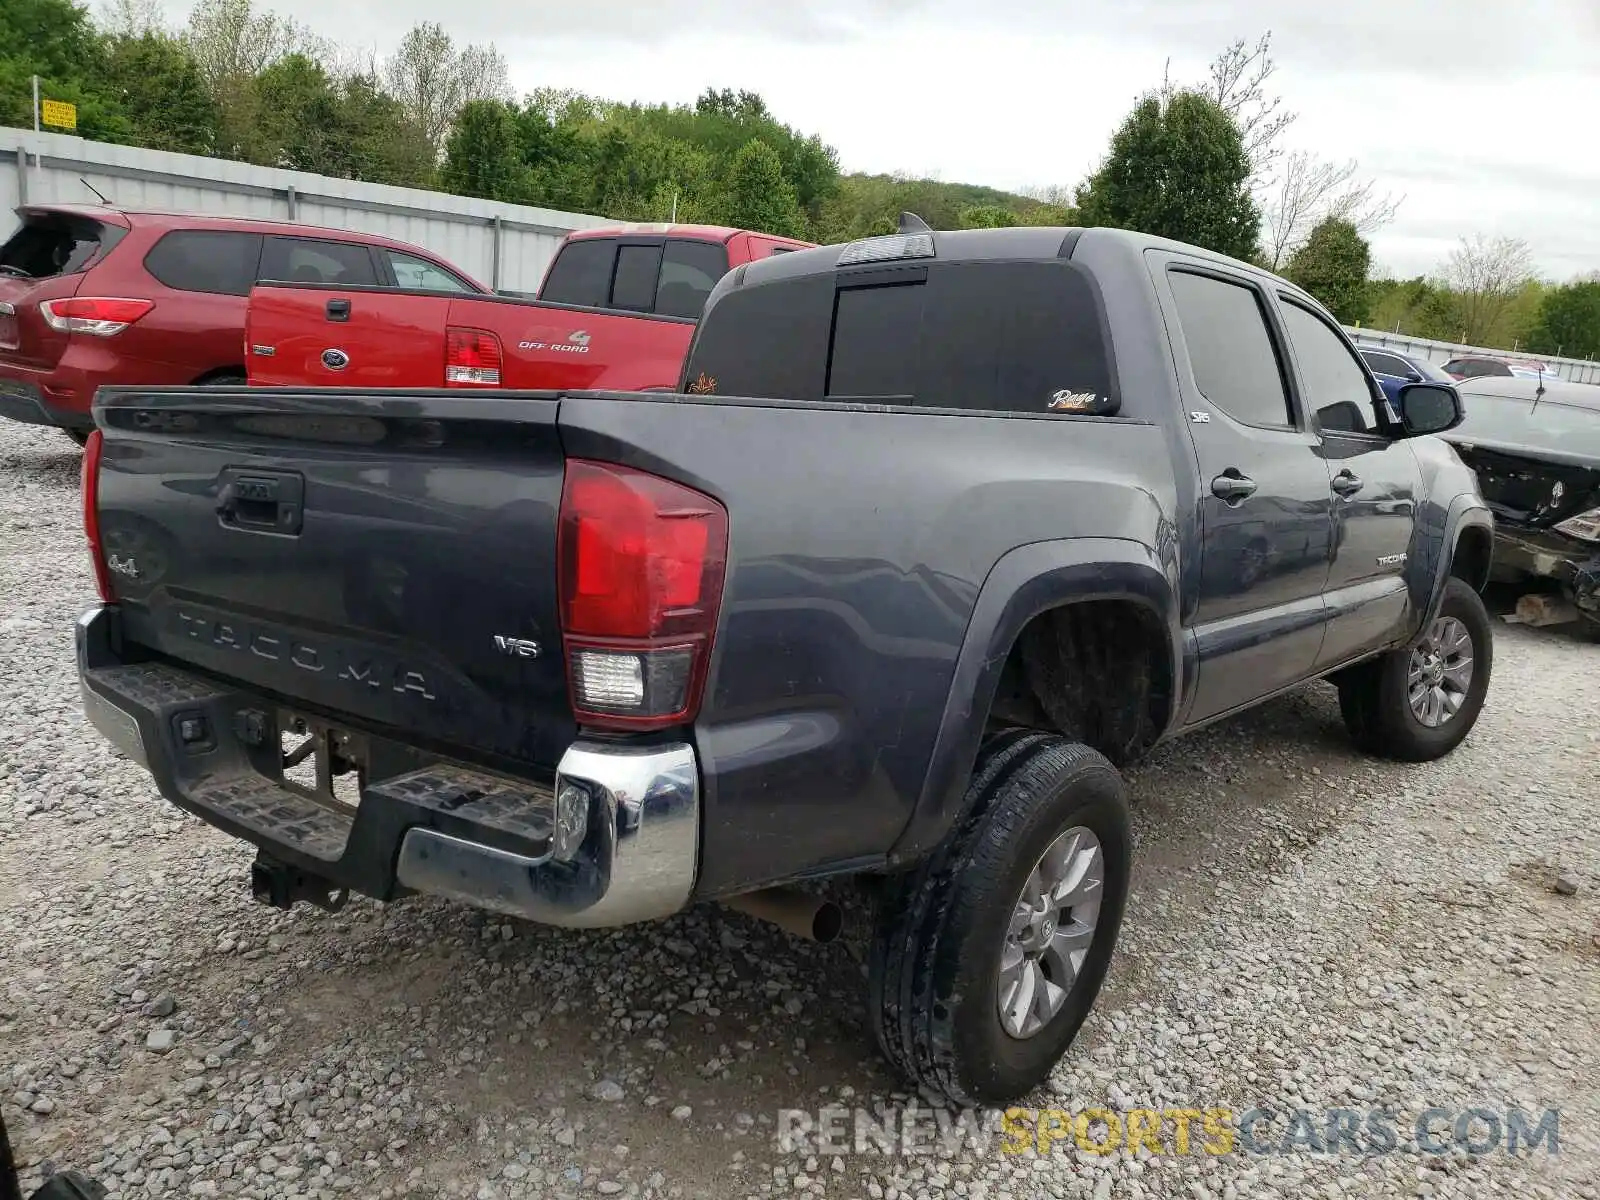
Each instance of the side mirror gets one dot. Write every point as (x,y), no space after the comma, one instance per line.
(1429,408)
(1413,377)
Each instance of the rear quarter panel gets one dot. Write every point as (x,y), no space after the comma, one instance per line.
(860,539)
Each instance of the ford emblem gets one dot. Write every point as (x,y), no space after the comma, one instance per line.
(335,360)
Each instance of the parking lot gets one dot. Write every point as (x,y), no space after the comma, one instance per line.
(1308,930)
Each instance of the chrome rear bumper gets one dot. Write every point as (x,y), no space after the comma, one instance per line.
(613,842)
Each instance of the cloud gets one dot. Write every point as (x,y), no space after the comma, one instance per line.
(1465,106)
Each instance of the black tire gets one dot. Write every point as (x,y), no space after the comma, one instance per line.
(1373,698)
(81,436)
(225,381)
(935,960)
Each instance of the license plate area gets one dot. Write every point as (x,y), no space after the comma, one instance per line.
(321,761)
(10,336)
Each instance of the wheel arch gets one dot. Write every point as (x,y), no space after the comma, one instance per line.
(1465,549)
(1473,555)
(1027,584)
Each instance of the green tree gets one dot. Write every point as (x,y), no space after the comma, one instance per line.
(385,144)
(154,80)
(298,124)
(1416,306)
(758,197)
(482,156)
(1569,321)
(1333,267)
(987,216)
(1178,169)
(54,40)
(1050,215)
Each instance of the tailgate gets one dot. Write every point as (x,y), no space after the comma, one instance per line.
(313,335)
(384,558)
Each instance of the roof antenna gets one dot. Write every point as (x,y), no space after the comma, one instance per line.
(911,223)
(103,198)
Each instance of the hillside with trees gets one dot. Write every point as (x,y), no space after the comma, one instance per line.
(1211,160)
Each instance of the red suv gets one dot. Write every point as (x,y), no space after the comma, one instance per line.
(92,296)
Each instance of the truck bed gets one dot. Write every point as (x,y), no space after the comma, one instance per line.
(317,335)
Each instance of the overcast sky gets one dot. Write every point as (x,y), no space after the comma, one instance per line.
(1483,113)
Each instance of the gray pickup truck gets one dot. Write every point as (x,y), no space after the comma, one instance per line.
(940,529)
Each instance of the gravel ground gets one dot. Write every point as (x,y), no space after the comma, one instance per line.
(1309,930)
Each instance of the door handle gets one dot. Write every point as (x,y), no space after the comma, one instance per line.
(1231,487)
(338,310)
(261,501)
(1346,484)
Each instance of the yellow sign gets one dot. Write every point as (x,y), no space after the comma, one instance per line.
(58,113)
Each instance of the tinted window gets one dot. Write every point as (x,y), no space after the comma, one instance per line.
(770,339)
(304,260)
(49,245)
(420,275)
(987,336)
(689,270)
(1334,385)
(634,286)
(581,273)
(1387,364)
(1007,336)
(1230,351)
(877,340)
(206,260)
(1477,368)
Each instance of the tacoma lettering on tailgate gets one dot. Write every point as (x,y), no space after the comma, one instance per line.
(359,668)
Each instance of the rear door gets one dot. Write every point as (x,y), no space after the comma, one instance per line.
(356,557)
(1374,489)
(201,283)
(1265,510)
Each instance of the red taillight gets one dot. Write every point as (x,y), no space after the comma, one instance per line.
(471,358)
(641,571)
(97,316)
(89,486)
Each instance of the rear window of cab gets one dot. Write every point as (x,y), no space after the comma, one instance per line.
(988,336)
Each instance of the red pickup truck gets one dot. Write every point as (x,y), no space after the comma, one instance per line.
(616,311)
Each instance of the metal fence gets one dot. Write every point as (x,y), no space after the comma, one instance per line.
(1574,370)
(506,246)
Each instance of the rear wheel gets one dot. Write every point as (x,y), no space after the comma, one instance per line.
(232,379)
(988,956)
(1418,703)
(81,436)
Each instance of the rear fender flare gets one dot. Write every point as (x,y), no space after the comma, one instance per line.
(1024,583)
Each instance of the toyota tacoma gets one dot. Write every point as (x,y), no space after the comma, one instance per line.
(938,531)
